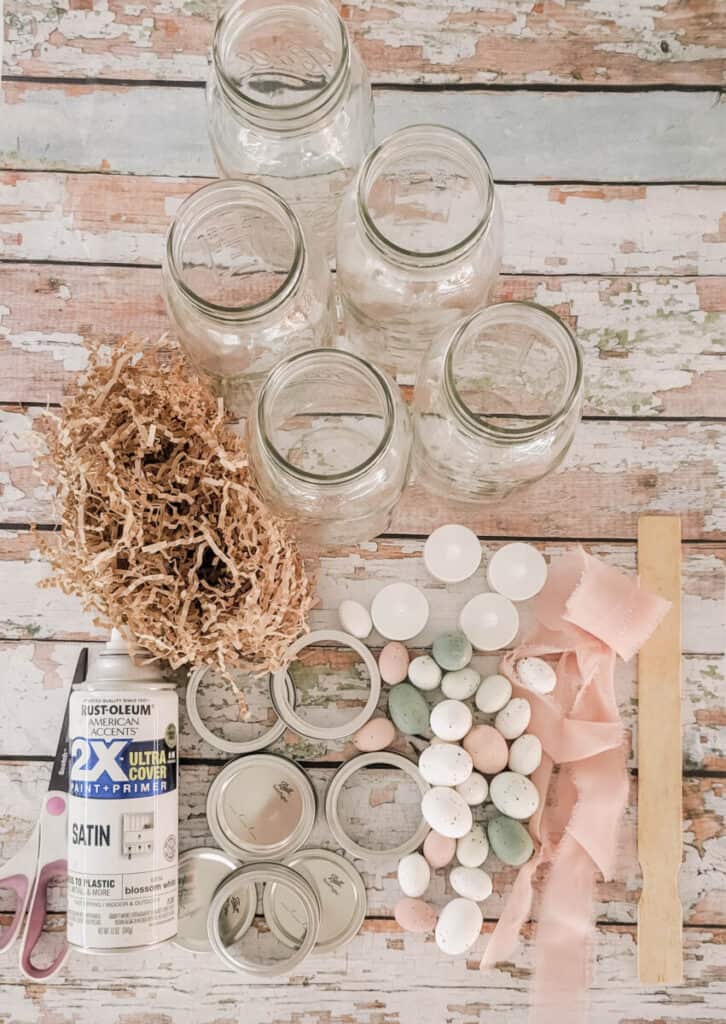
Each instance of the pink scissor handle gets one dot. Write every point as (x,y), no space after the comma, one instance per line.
(20,884)
(56,871)
(17,876)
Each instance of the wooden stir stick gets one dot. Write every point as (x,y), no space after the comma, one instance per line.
(660,811)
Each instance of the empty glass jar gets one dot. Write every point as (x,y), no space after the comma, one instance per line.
(419,244)
(329,445)
(289,104)
(496,402)
(242,288)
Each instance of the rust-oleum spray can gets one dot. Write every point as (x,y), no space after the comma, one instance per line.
(123,806)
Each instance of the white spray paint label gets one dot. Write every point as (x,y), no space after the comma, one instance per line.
(123,806)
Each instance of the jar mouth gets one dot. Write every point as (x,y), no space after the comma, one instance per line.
(539,380)
(419,162)
(285,402)
(279,63)
(235,250)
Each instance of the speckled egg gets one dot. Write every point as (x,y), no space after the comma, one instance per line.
(488,749)
(452,651)
(473,848)
(460,685)
(445,764)
(408,709)
(414,875)
(451,720)
(510,841)
(474,789)
(355,619)
(471,883)
(493,693)
(439,850)
(446,812)
(536,674)
(525,754)
(424,673)
(415,915)
(513,719)
(514,795)
(377,734)
(393,663)
(458,926)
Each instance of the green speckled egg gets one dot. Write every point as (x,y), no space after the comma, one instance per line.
(510,841)
(408,709)
(452,651)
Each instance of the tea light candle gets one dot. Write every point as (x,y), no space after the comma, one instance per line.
(489,621)
(399,611)
(452,553)
(518,571)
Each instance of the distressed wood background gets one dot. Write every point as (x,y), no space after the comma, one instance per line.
(605,123)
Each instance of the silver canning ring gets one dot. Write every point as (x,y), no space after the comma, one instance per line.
(319,732)
(332,796)
(265,739)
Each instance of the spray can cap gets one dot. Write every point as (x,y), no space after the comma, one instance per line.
(113,665)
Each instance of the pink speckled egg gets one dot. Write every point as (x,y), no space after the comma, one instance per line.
(488,749)
(377,734)
(415,915)
(393,663)
(438,850)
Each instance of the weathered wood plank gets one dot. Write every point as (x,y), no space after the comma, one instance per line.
(162,130)
(617,229)
(380,808)
(615,471)
(29,613)
(654,346)
(403,41)
(37,675)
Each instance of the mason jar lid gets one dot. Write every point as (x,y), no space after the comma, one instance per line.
(265,738)
(284,706)
(261,806)
(332,798)
(342,895)
(245,881)
(201,871)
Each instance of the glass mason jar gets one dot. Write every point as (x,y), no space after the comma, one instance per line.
(242,288)
(289,104)
(419,244)
(329,445)
(496,402)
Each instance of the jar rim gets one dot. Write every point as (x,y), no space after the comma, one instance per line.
(219,194)
(300,362)
(270,115)
(512,434)
(383,151)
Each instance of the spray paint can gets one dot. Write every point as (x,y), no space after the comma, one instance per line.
(123,806)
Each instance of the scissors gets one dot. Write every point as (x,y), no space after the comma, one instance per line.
(43,858)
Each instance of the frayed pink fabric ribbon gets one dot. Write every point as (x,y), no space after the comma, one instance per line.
(587,614)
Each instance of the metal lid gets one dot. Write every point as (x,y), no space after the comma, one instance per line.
(245,880)
(342,895)
(335,788)
(261,806)
(284,706)
(200,873)
(249,746)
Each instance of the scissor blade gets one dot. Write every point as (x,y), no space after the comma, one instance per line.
(59,775)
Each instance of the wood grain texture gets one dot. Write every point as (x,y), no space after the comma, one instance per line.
(653,346)
(402,41)
(608,229)
(163,130)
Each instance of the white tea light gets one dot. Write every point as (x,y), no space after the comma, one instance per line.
(518,571)
(452,553)
(489,621)
(399,611)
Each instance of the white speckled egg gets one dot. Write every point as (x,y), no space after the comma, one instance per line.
(460,685)
(355,619)
(424,673)
(474,789)
(536,674)
(451,720)
(471,883)
(473,848)
(514,795)
(446,812)
(513,719)
(445,764)
(493,693)
(414,875)
(458,926)
(525,754)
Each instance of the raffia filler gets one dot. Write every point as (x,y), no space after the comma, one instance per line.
(161,529)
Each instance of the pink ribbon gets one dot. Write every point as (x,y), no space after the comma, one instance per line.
(587,613)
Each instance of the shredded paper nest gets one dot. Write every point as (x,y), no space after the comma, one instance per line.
(162,530)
